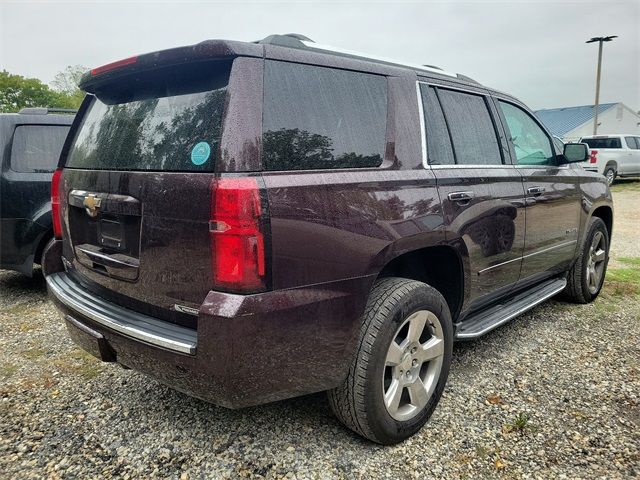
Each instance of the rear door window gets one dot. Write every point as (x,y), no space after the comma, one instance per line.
(611,142)
(171,121)
(319,118)
(439,150)
(632,142)
(36,148)
(472,131)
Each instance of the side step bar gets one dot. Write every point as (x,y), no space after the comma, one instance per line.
(486,320)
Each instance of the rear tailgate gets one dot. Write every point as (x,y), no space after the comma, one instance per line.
(136,186)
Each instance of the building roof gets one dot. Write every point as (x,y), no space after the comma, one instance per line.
(562,120)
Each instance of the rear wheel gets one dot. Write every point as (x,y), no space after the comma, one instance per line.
(610,174)
(400,369)
(586,277)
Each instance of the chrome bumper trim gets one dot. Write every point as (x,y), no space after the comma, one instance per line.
(122,320)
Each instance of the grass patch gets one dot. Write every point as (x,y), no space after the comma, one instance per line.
(33,353)
(626,185)
(519,424)
(633,261)
(622,282)
(78,362)
(28,326)
(19,309)
(7,370)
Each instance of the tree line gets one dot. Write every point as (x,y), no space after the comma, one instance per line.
(17,92)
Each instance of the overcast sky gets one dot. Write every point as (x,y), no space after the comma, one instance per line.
(534,50)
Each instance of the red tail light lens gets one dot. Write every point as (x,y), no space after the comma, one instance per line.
(594,156)
(237,242)
(55,203)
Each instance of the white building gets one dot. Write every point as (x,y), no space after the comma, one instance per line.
(571,123)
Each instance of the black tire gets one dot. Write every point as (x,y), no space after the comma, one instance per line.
(578,289)
(358,402)
(610,174)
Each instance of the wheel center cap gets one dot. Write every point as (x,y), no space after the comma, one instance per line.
(406,362)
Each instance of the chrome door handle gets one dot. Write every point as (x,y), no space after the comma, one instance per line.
(535,190)
(460,196)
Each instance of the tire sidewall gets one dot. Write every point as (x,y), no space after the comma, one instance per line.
(386,429)
(597,225)
(614,175)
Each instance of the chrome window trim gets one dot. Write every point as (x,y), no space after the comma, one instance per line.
(563,167)
(491,166)
(425,160)
(480,91)
(423,128)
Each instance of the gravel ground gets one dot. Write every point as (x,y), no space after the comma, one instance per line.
(553,394)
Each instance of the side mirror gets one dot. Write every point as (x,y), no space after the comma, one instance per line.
(576,152)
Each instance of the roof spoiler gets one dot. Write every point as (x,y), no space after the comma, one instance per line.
(209,49)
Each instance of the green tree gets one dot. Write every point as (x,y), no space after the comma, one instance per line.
(17,92)
(66,82)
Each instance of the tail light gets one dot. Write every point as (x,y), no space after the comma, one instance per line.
(55,203)
(593,158)
(237,242)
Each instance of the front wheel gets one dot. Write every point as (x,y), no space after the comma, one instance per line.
(399,371)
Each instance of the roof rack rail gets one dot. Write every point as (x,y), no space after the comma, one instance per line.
(45,110)
(467,79)
(295,40)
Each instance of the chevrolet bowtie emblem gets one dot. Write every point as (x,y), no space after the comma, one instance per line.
(91,204)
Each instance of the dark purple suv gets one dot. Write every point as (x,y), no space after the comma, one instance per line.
(248,222)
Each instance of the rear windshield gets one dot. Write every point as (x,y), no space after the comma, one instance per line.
(169,120)
(36,148)
(602,142)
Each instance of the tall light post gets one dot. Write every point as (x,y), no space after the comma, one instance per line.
(600,41)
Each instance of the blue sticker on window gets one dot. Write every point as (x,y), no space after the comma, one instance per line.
(200,153)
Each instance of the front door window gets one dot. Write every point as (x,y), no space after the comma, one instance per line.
(532,145)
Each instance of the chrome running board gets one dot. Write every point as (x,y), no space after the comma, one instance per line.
(486,320)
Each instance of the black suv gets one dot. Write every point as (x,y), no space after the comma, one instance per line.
(31,141)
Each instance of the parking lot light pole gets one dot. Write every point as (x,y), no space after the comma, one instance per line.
(600,41)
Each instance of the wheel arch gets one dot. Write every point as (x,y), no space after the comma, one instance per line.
(605,213)
(47,236)
(433,266)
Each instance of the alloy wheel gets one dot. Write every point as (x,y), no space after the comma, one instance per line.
(412,366)
(610,176)
(596,262)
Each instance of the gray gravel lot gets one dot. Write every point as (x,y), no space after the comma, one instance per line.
(553,394)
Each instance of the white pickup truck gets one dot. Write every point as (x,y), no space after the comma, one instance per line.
(613,155)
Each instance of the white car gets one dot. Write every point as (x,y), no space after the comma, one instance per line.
(613,155)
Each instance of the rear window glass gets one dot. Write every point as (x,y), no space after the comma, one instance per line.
(36,148)
(171,122)
(472,131)
(316,118)
(602,142)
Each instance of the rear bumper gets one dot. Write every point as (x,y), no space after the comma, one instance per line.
(247,350)
(114,317)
